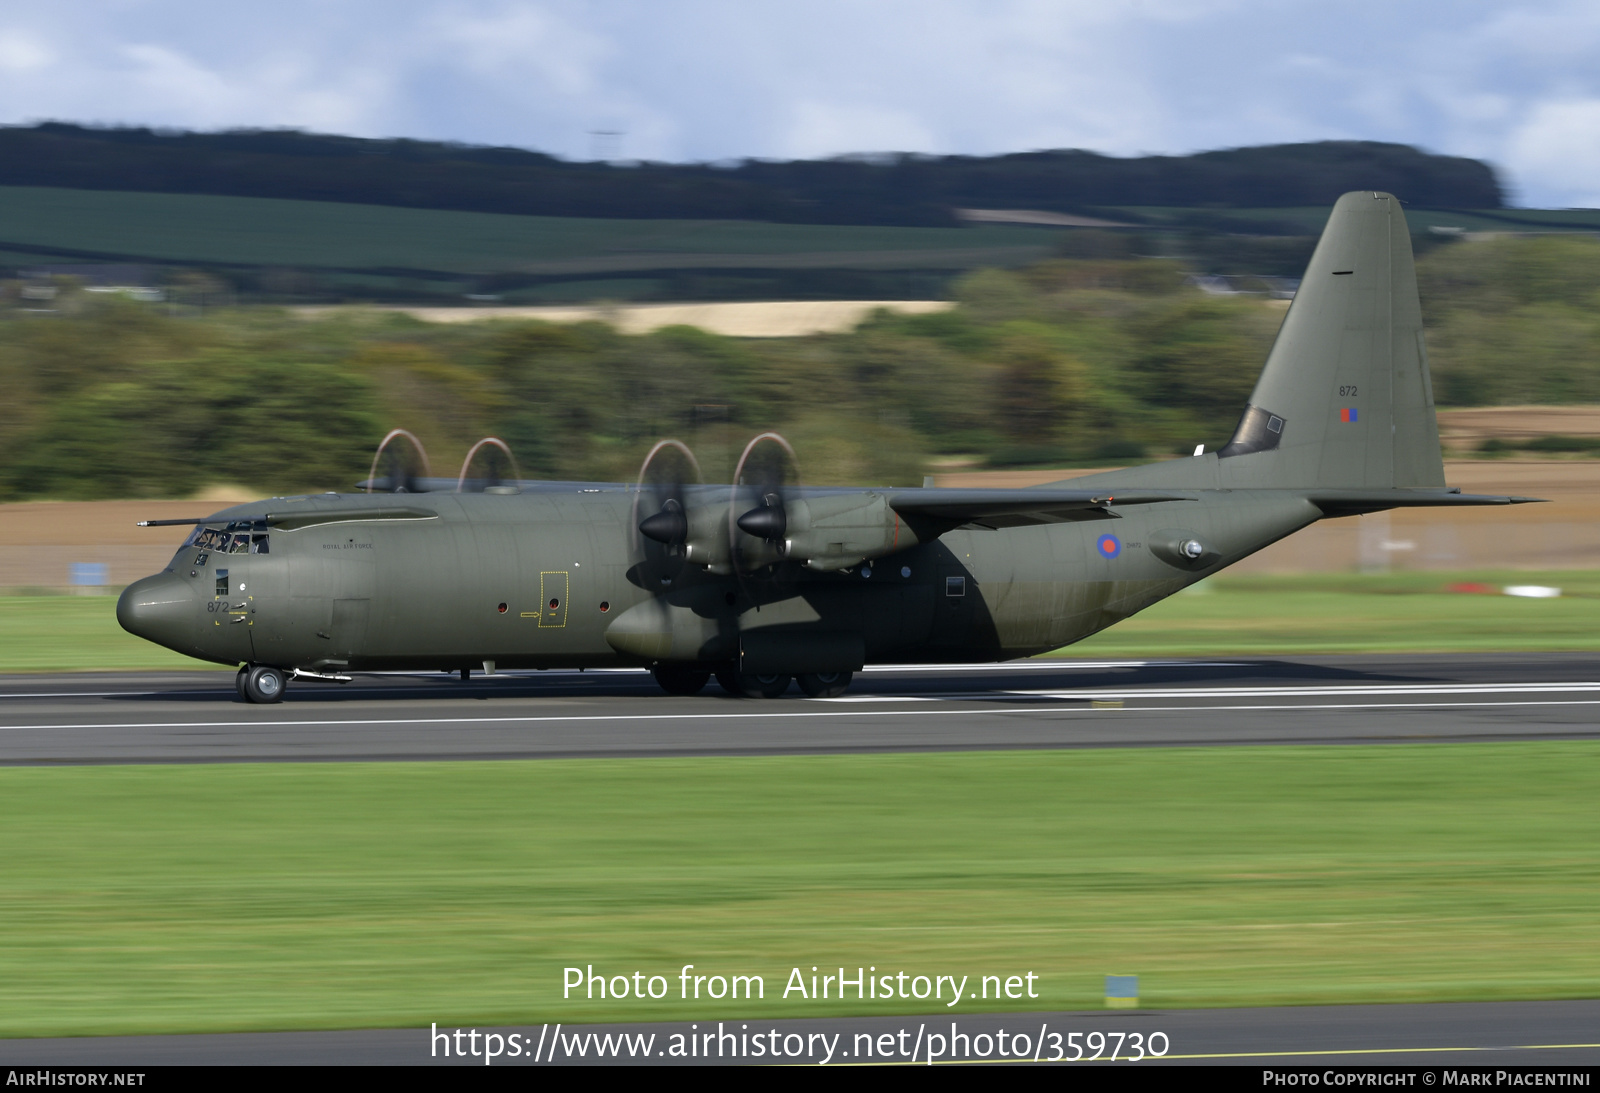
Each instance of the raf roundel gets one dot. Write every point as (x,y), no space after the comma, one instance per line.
(1108,546)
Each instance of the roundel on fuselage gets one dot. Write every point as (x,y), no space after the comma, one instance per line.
(1108,546)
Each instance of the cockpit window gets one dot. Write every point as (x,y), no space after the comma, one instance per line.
(237,538)
(209,539)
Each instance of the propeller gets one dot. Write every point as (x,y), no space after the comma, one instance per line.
(758,518)
(498,461)
(399,470)
(662,497)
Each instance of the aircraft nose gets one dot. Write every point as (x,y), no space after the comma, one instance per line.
(159,609)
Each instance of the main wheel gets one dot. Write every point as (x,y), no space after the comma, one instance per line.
(824,684)
(747,685)
(264,684)
(676,679)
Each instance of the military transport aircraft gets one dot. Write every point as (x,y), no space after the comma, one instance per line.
(764,581)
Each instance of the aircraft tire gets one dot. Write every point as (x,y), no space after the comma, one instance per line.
(675,679)
(238,682)
(824,684)
(264,684)
(746,685)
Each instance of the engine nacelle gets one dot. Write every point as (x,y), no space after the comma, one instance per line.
(837,531)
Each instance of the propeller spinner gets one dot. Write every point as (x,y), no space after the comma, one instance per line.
(767,473)
(663,493)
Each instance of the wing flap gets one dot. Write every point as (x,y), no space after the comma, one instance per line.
(1006,508)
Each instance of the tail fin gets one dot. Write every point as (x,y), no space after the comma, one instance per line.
(1345,401)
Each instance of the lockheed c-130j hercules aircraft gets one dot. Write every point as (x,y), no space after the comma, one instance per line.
(765,581)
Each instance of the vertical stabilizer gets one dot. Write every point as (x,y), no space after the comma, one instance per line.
(1345,401)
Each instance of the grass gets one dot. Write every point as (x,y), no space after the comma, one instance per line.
(199,228)
(1234,615)
(1407,612)
(197,898)
(53,633)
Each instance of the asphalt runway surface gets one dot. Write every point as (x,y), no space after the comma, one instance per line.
(196,716)
(1431,1037)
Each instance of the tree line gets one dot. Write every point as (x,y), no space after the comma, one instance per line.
(1085,361)
(899,189)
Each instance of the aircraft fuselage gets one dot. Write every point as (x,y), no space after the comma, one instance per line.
(550,579)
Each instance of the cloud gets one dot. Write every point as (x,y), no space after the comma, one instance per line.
(21,52)
(519,41)
(1559,144)
(818,130)
(718,79)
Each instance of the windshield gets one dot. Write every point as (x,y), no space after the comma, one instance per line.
(235,538)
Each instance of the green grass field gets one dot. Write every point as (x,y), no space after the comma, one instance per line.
(274,232)
(168,898)
(1261,616)
(1352,613)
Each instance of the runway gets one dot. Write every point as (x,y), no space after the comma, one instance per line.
(196,717)
(1436,1038)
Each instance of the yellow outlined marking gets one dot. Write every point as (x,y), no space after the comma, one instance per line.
(553,587)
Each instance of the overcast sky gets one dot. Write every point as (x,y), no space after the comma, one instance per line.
(1517,84)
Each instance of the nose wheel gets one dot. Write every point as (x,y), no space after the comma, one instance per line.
(261,683)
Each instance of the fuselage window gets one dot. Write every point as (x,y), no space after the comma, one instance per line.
(955,586)
(258,544)
(222,582)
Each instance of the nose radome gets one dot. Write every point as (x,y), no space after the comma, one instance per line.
(159,609)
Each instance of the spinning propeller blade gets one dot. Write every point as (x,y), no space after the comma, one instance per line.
(767,473)
(400,470)
(660,522)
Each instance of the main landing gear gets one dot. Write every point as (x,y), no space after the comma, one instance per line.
(260,683)
(676,679)
(681,679)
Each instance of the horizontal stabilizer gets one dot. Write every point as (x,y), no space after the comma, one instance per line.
(998,508)
(1355,502)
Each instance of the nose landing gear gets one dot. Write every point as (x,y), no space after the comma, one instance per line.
(260,683)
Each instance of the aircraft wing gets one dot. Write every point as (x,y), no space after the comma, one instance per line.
(1009,508)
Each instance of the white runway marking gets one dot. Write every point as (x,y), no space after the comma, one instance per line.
(1053,665)
(1312,692)
(1009,711)
(590,673)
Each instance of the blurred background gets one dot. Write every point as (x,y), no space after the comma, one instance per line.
(244,252)
(1001,243)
